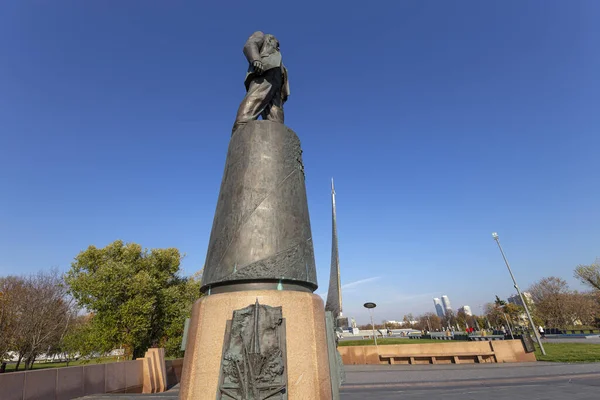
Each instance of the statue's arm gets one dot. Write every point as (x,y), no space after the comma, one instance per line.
(253,45)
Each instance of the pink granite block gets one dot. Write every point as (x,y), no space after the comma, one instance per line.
(94,379)
(40,385)
(134,373)
(12,385)
(70,383)
(115,377)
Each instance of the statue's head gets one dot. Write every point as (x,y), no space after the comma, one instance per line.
(271,41)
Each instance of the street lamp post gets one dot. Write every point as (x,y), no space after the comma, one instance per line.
(535,332)
(370,307)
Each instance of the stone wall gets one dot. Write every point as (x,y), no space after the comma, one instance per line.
(500,351)
(72,382)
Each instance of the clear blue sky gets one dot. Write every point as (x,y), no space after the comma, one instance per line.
(440,121)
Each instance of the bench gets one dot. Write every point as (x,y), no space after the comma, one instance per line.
(477,356)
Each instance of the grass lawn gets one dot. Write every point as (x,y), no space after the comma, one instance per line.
(367,342)
(42,365)
(569,352)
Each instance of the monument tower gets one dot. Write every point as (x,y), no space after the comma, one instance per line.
(334,293)
(259,331)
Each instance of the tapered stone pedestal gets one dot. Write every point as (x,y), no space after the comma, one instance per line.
(261,235)
(259,331)
(308,375)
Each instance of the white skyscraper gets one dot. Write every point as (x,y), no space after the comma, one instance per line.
(439,310)
(516,299)
(466,310)
(446,303)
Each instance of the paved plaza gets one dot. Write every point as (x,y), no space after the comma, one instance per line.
(531,381)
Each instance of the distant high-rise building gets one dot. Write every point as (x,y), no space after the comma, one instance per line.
(515,299)
(466,310)
(446,303)
(439,310)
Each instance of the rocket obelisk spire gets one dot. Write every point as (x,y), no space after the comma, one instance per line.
(334,294)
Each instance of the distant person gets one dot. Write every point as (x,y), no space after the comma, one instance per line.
(541,330)
(3,368)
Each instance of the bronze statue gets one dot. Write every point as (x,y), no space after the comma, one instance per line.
(261,237)
(266,82)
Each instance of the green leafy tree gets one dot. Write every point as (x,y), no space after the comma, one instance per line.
(515,313)
(182,298)
(498,312)
(482,322)
(499,302)
(494,313)
(136,295)
(78,341)
(513,310)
